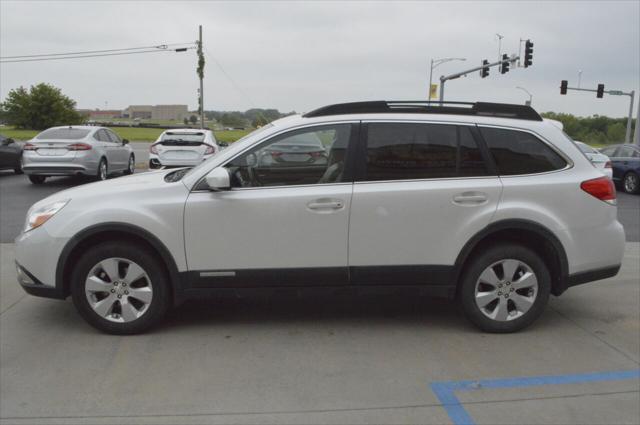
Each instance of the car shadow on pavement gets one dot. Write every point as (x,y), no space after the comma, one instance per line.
(290,309)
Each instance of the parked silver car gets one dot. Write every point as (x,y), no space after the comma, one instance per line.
(77,150)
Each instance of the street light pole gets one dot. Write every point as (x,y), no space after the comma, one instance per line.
(201,75)
(437,62)
(627,137)
(527,92)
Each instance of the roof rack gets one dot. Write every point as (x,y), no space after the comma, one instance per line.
(501,110)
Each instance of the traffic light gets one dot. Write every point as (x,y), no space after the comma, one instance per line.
(600,91)
(528,53)
(563,86)
(504,66)
(484,72)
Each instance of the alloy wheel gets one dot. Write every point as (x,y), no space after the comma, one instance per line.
(118,290)
(506,290)
(103,170)
(631,182)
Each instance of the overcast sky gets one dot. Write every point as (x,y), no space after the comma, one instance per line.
(301,55)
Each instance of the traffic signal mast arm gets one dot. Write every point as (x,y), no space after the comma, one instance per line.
(445,78)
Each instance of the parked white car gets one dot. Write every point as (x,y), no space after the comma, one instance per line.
(481,202)
(184,147)
(598,159)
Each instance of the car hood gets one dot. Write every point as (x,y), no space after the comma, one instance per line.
(112,188)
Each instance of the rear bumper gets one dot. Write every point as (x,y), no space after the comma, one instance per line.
(54,169)
(592,275)
(156,162)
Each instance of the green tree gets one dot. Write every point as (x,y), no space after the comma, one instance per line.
(259,121)
(42,106)
(193,119)
(185,120)
(616,132)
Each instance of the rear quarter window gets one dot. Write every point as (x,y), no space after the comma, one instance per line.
(518,152)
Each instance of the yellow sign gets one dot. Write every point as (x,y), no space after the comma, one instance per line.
(433,93)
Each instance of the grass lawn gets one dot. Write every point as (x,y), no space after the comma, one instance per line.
(131,133)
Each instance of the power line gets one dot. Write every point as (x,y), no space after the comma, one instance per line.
(160,46)
(235,85)
(95,56)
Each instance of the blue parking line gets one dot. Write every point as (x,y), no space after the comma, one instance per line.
(445,391)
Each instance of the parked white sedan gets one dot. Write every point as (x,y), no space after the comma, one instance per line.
(185,147)
(598,159)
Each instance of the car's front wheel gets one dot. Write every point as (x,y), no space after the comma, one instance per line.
(631,182)
(120,289)
(37,179)
(505,288)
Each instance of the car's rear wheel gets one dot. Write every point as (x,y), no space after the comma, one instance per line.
(131,166)
(505,288)
(103,170)
(37,179)
(631,182)
(120,289)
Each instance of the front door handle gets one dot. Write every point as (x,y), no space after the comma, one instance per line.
(325,204)
(470,198)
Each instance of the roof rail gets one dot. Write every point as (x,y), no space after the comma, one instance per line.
(501,110)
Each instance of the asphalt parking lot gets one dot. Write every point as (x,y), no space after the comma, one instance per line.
(340,359)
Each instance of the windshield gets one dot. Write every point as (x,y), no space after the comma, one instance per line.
(182,137)
(249,136)
(63,134)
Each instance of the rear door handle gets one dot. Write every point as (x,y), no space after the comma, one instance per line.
(472,198)
(325,204)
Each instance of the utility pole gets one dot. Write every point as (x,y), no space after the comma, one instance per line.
(637,132)
(201,76)
(435,63)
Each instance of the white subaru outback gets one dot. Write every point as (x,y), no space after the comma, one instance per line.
(482,202)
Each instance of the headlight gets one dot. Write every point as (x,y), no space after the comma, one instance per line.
(40,216)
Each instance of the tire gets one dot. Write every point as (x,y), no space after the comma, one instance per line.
(510,304)
(103,170)
(631,182)
(37,179)
(117,309)
(131,166)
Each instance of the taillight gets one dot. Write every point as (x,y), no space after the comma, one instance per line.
(276,154)
(153,149)
(316,154)
(210,149)
(29,147)
(607,164)
(601,188)
(79,147)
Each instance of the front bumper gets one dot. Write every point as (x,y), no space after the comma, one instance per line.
(33,286)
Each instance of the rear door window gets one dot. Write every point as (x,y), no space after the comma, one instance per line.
(518,152)
(405,151)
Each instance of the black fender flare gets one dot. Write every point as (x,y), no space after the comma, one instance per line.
(126,228)
(517,224)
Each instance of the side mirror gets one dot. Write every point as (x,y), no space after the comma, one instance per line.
(218,179)
(125,141)
(7,142)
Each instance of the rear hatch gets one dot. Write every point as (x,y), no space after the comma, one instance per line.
(176,146)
